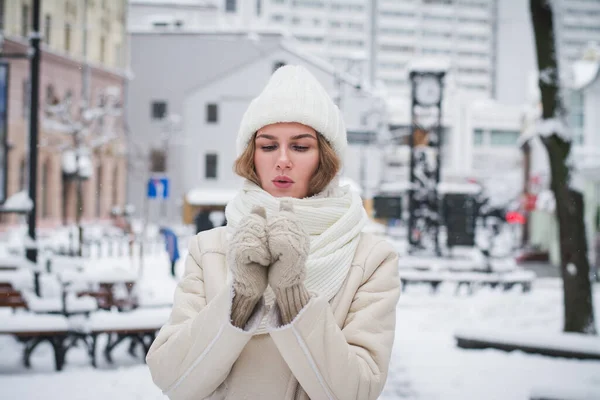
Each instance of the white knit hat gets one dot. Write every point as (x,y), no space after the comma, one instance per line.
(294,95)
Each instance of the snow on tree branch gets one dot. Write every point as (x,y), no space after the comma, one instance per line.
(553,126)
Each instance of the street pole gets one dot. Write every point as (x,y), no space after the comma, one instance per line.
(33,135)
(85,102)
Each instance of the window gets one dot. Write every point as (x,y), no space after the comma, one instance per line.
(159,109)
(212,113)
(478,137)
(26,96)
(115,186)
(102,49)
(504,138)
(230,5)
(277,65)
(23,174)
(51,97)
(276,18)
(576,116)
(24,20)
(67,37)
(45,193)
(99,191)
(210,168)
(1,15)
(258,7)
(47,28)
(158,160)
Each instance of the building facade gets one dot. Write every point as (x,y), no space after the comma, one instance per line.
(370,39)
(83,56)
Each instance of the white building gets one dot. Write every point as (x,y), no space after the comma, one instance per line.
(583,102)
(207,80)
(372,39)
(577,23)
(171,14)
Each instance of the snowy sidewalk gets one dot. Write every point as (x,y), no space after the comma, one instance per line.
(426,363)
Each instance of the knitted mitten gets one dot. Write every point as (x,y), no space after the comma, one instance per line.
(248,258)
(289,245)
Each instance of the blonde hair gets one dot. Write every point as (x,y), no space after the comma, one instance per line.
(329,165)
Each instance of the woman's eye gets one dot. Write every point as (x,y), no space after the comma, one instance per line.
(268,148)
(300,148)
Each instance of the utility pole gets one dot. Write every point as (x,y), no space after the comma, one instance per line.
(33,133)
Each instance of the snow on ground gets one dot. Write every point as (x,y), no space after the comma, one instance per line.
(426,363)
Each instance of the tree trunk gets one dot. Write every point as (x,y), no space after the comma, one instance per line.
(575,267)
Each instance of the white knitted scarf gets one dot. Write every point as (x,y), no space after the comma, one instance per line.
(334,220)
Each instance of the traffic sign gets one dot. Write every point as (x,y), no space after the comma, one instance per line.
(158,188)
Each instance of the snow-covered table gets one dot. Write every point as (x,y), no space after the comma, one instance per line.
(506,280)
(112,287)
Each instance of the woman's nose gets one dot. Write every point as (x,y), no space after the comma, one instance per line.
(283,161)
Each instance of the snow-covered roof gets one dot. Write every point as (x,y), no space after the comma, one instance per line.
(395,187)
(440,64)
(210,196)
(584,73)
(324,65)
(456,187)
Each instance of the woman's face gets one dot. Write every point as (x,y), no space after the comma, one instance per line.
(286,158)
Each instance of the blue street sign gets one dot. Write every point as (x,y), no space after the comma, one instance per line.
(158,188)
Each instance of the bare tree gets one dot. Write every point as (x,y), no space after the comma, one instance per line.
(575,267)
(85,137)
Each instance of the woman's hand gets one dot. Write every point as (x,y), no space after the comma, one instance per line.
(248,258)
(289,245)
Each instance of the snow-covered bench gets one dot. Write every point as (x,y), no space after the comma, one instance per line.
(11,285)
(140,326)
(469,279)
(32,329)
(576,391)
(567,345)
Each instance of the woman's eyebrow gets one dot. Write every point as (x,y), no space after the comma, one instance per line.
(304,135)
(263,135)
(301,136)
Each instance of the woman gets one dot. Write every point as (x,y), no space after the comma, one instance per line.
(290,300)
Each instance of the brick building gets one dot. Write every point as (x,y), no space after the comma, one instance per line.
(62,76)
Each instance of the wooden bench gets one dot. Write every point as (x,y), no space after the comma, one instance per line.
(139,326)
(31,330)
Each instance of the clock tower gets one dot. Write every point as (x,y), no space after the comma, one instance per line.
(425,158)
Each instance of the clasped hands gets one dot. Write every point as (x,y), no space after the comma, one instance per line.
(267,252)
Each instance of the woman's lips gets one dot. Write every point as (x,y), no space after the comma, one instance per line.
(283,185)
(282,182)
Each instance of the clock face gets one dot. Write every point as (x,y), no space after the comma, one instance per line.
(428,90)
